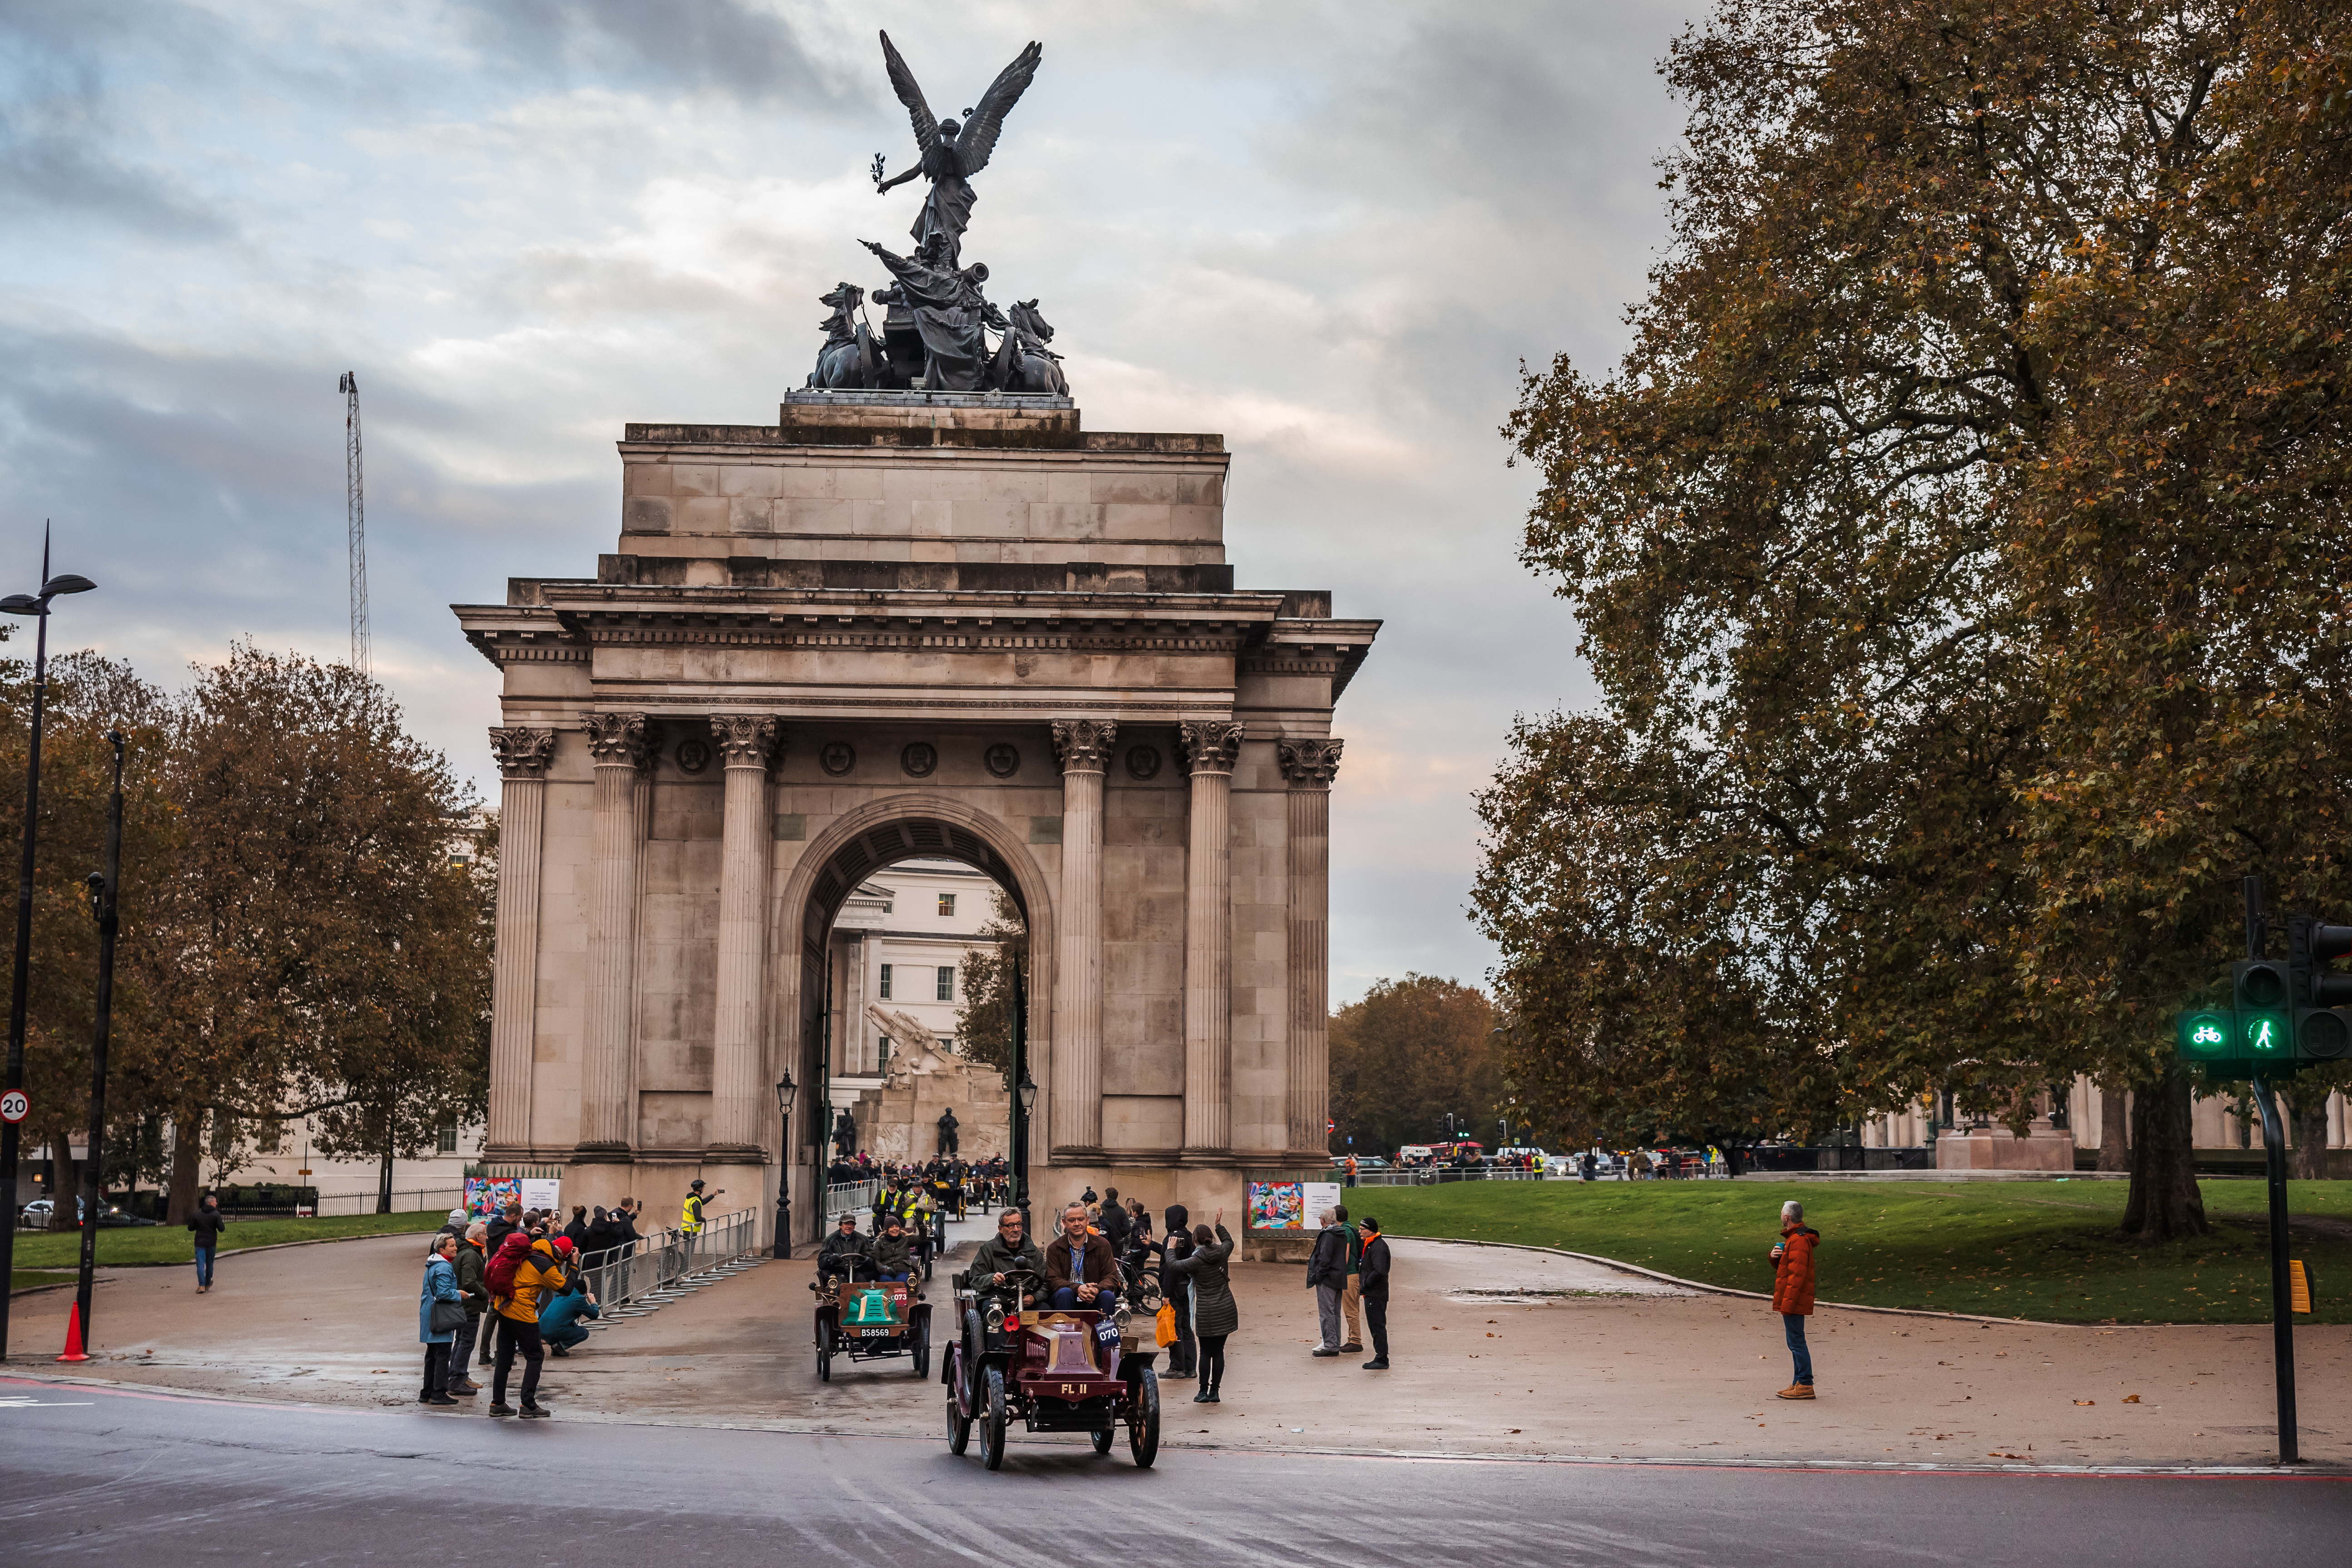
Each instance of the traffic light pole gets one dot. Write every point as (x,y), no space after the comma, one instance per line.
(2274,1167)
(2281,1298)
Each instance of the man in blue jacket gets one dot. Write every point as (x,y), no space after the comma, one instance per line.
(559,1318)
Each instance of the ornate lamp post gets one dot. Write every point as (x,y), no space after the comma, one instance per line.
(784,1093)
(1028,1098)
(37,606)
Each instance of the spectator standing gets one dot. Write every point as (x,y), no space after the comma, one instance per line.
(455,1225)
(530,1273)
(1792,1292)
(436,1303)
(1375,1271)
(1176,1289)
(504,1222)
(208,1223)
(470,1263)
(689,1218)
(1585,1164)
(1327,1276)
(577,1230)
(1214,1314)
(1115,1222)
(1351,1295)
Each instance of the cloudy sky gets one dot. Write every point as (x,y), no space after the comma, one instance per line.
(1329,231)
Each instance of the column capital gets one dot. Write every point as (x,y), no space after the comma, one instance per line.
(746,740)
(619,740)
(1310,764)
(1210,745)
(522,753)
(1084,744)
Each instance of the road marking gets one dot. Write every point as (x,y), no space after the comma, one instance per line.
(18,1402)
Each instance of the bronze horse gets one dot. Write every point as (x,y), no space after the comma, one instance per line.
(1023,363)
(849,359)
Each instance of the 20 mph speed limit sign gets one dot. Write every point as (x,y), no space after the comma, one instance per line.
(14,1106)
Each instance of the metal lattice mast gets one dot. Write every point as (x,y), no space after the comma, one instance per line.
(355,504)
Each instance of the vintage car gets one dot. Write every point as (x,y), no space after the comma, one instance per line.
(866,1319)
(1051,1370)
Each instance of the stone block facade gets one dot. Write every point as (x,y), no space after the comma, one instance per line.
(893,626)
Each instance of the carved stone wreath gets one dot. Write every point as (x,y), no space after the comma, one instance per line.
(837,757)
(1003,760)
(693,755)
(1142,761)
(918,759)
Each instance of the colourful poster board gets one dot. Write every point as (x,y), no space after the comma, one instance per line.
(486,1196)
(1277,1205)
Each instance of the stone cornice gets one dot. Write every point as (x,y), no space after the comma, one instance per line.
(522,753)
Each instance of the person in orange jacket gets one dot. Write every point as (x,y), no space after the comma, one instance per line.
(1792,1291)
(537,1276)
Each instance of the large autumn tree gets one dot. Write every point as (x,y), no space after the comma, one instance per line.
(1408,1052)
(1960,641)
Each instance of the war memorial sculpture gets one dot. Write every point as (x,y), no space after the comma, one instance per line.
(926,613)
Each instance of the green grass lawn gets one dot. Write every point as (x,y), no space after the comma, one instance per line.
(172,1244)
(2037,1249)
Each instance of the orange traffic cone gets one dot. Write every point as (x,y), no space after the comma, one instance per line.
(73,1336)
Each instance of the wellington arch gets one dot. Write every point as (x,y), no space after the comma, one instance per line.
(892,624)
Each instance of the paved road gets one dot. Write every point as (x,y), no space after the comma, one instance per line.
(94,1475)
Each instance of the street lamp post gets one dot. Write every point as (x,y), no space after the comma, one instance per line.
(787,1093)
(1024,1101)
(37,606)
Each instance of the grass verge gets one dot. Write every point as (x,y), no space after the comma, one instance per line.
(2007,1249)
(170,1244)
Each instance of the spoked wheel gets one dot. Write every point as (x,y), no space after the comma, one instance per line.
(1102,1440)
(919,1337)
(991,1421)
(959,1424)
(825,1353)
(1143,1426)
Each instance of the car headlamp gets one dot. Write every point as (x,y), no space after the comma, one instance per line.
(996,1317)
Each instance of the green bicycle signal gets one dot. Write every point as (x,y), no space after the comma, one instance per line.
(2205,1036)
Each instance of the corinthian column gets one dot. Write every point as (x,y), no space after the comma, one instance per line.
(745,744)
(523,756)
(1210,747)
(1309,765)
(1075,1109)
(617,744)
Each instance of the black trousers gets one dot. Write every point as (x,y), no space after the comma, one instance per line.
(1376,1319)
(1184,1355)
(1212,1360)
(514,1336)
(437,1369)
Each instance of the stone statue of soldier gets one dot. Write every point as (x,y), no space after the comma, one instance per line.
(845,1135)
(948,1139)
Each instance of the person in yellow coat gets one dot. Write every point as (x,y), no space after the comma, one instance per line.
(689,1219)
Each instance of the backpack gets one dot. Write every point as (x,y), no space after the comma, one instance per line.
(501,1275)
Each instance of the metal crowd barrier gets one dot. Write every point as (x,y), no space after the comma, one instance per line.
(635,1278)
(841,1195)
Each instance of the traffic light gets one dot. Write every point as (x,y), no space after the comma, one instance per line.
(2205,1035)
(2323,1032)
(2262,996)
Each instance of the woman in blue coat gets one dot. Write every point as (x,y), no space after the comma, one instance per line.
(440,1285)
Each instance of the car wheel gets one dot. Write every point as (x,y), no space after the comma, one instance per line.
(1102,1440)
(1143,1425)
(959,1424)
(920,1336)
(991,1421)
(825,1353)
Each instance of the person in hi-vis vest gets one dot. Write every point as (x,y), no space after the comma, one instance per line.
(689,1220)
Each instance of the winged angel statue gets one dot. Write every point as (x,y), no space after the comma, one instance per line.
(952,154)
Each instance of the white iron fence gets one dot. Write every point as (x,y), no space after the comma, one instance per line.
(641,1275)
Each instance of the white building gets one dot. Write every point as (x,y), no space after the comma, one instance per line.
(900,942)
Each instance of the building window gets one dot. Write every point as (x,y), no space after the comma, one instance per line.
(947,906)
(448,1141)
(882,1054)
(946,1045)
(885,982)
(947,982)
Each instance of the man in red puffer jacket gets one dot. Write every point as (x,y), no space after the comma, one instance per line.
(1792,1291)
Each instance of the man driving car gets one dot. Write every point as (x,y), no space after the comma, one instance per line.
(844,1252)
(1005,1252)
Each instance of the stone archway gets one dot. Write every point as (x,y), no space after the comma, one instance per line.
(855,846)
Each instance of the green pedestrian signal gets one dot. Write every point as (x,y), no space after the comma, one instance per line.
(2266,1037)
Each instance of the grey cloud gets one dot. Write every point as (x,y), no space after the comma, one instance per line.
(749,53)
